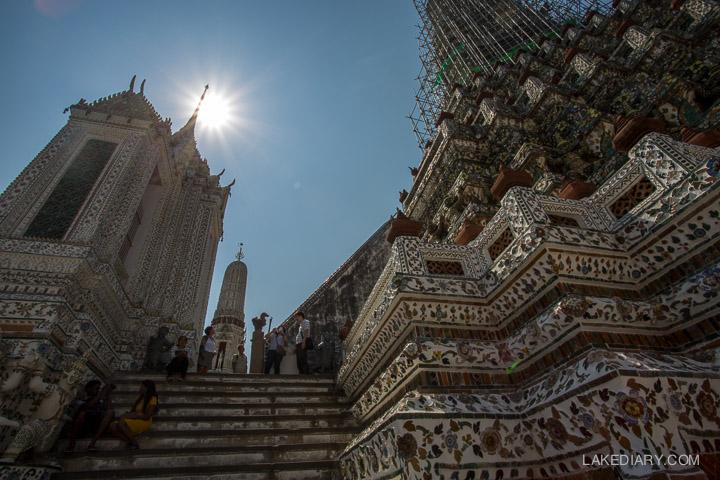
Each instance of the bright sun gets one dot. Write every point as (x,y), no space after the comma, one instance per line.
(214,111)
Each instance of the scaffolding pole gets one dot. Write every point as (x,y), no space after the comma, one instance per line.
(459,38)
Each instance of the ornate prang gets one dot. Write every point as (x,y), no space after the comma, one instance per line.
(602,241)
(104,286)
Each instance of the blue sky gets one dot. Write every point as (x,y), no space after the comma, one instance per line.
(320,89)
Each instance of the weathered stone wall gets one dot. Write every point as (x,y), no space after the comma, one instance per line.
(339,299)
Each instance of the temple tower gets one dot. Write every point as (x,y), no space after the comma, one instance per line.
(107,235)
(229,318)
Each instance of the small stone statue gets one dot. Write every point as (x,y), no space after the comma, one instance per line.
(257,354)
(158,350)
(41,430)
(260,322)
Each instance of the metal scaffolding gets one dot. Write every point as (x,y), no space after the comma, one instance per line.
(458,38)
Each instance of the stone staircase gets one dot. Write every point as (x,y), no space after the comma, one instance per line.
(226,427)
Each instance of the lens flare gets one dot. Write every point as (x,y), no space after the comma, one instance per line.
(215,111)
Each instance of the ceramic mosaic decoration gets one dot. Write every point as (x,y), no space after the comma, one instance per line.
(560,302)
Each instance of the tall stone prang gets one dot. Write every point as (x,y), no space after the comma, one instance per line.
(229,318)
(107,235)
(552,294)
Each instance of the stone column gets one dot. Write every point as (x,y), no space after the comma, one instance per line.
(257,353)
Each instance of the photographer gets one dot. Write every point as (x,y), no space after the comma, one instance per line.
(93,416)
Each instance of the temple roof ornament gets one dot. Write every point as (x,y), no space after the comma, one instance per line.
(124,104)
(188,130)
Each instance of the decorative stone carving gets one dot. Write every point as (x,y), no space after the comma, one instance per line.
(583,65)
(637,37)
(534,89)
(40,432)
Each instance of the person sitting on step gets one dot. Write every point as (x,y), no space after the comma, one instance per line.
(93,416)
(138,420)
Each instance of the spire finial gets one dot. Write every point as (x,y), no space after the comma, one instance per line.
(142,87)
(189,129)
(132,84)
(240,254)
(202,97)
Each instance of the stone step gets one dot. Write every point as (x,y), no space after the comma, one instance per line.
(214,456)
(191,439)
(162,424)
(224,384)
(221,426)
(194,386)
(225,378)
(309,470)
(200,410)
(176,396)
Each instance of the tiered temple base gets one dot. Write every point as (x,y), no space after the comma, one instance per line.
(593,329)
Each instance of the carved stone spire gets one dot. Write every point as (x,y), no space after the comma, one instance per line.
(229,318)
(190,125)
(184,144)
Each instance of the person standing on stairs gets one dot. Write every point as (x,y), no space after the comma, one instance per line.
(239,361)
(138,420)
(208,347)
(303,343)
(276,350)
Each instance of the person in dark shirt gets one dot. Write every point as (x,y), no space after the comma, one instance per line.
(181,360)
(93,416)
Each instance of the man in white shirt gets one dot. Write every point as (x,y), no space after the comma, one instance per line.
(207,350)
(303,343)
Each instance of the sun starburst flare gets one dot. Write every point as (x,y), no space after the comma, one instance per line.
(216,111)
